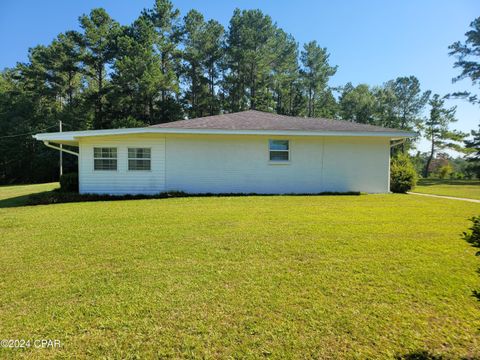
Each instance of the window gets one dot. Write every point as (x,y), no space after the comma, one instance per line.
(139,159)
(105,158)
(279,150)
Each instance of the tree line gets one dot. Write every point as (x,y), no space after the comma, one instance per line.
(164,67)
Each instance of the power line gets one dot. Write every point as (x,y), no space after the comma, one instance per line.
(31,133)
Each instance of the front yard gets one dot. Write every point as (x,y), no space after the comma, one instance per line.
(374,276)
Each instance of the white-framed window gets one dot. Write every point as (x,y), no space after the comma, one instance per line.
(279,150)
(139,158)
(105,158)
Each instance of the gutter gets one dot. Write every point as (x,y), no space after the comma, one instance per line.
(75,135)
(47,143)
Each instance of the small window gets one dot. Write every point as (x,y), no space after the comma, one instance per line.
(139,159)
(279,150)
(105,158)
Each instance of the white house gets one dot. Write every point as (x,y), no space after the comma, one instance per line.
(245,152)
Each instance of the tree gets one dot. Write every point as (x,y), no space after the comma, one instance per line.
(285,73)
(249,59)
(99,40)
(473,146)
(409,102)
(467,55)
(437,129)
(316,72)
(357,104)
(136,76)
(212,56)
(165,19)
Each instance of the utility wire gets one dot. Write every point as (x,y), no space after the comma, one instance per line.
(32,133)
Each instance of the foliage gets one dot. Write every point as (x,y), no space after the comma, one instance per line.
(437,129)
(445,171)
(467,59)
(403,176)
(315,74)
(473,236)
(357,104)
(240,277)
(69,182)
(473,152)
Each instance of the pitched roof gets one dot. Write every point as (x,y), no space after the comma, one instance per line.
(259,120)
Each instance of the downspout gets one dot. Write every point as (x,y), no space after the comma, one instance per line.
(47,143)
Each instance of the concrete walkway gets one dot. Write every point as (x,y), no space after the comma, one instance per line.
(444,197)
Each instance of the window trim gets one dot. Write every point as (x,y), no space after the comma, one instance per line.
(279,162)
(105,158)
(128,159)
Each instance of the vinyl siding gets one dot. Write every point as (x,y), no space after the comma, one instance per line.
(240,164)
(122,181)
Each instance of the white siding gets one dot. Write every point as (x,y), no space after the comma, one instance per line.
(240,164)
(224,164)
(122,181)
(356,164)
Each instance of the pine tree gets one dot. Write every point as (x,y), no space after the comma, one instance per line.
(99,40)
(316,72)
(437,129)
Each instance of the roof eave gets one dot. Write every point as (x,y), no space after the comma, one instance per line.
(75,135)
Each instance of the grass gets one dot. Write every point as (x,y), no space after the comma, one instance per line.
(469,189)
(17,195)
(374,276)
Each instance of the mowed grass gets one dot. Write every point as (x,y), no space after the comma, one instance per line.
(469,189)
(328,277)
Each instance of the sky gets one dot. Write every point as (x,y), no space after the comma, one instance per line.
(370,41)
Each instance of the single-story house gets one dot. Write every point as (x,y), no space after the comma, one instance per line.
(244,152)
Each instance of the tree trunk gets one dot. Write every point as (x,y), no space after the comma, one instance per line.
(212,89)
(70,88)
(310,102)
(427,165)
(252,88)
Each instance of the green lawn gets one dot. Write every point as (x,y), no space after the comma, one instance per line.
(329,277)
(459,188)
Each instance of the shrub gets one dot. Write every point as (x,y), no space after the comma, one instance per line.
(473,236)
(69,182)
(444,171)
(403,176)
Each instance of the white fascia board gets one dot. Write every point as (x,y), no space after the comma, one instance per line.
(74,135)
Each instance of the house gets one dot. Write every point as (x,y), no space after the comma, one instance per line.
(244,152)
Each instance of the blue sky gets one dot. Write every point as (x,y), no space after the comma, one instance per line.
(370,41)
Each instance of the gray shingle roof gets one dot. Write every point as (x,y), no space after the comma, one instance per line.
(258,120)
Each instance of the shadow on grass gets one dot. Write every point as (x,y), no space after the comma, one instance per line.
(419,355)
(16,201)
(59,197)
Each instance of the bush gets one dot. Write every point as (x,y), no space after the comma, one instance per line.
(403,176)
(445,171)
(69,182)
(473,236)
